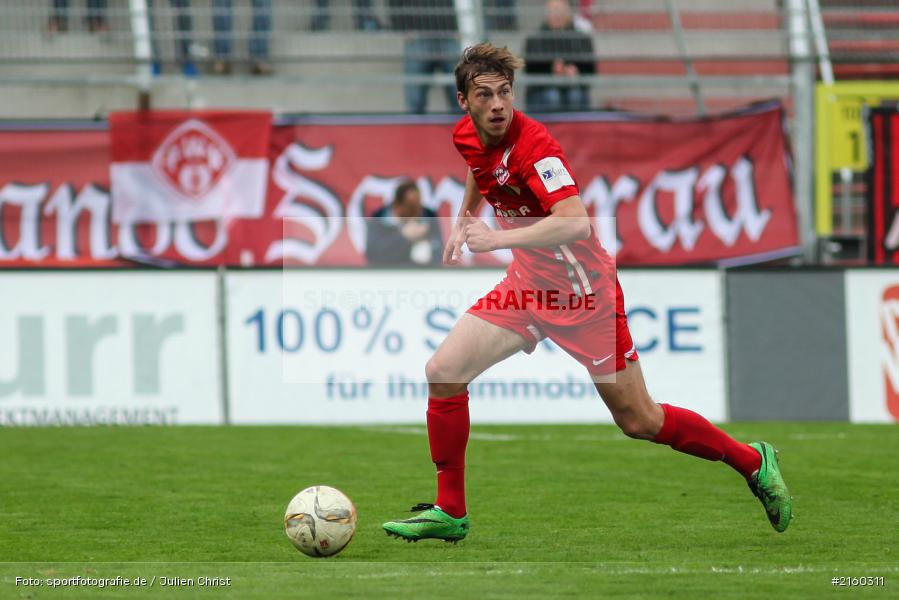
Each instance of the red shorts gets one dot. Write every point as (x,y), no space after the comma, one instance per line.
(596,335)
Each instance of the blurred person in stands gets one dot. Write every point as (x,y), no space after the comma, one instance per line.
(258,44)
(364,18)
(94,18)
(563,51)
(500,15)
(431,45)
(404,232)
(183,27)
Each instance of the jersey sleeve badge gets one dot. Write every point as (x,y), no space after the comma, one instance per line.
(553,173)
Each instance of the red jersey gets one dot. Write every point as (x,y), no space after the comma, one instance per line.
(521,178)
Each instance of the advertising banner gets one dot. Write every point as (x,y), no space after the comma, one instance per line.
(883,188)
(872,321)
(186,187)
(840,137)
(350,346)
(99,348)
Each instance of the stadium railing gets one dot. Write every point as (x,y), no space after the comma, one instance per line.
(653,55)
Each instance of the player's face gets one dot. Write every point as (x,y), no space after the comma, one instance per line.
(489,102)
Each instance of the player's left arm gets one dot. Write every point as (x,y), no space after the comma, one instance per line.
(568,222)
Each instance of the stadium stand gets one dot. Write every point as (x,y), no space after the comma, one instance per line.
(863,38)
(738,50)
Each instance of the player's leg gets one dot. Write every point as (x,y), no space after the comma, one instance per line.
(686,431)
(472,346)
(638,416)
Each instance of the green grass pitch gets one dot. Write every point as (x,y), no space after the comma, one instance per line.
(558,511)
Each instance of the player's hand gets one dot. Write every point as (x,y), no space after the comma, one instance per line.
(478,236)
(452,252)
(414,231)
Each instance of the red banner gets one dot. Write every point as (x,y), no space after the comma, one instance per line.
(186,187)
(883,187)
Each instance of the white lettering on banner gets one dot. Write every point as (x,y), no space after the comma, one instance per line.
(97,203)
(680,183)
(371,186)
(94,203)
(28,198)
(606,202)
(448,191)
(320,218)
(747,216)
(310,205)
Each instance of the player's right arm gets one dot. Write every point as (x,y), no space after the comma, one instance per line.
(471,202)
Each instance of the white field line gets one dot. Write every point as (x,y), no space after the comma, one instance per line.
(503,437)
(610,437)
(817,436)
(475,435)
(622,570)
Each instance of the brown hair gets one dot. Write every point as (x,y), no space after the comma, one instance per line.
(485,58)
(406,186)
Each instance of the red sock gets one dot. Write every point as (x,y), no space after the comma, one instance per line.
(690,433)
(448,427)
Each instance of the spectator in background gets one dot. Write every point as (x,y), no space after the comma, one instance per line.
(404,232)
(431,45)
(500,15)
(94,18)
(364,19)
(561,50)
(258,44)
(183,29)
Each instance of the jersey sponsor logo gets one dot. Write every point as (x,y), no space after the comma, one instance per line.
(510,213)
(553,173)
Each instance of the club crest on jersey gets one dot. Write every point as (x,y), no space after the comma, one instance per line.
(502,174)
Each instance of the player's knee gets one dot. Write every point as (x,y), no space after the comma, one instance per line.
(636,425)
(438,371)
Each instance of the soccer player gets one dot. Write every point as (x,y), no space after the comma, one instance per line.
(561,284)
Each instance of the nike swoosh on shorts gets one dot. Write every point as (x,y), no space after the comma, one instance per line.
(596,363)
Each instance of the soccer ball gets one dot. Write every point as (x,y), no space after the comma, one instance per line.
(320,521)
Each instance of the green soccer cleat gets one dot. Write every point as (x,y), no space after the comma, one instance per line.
(768,486)
(433,523)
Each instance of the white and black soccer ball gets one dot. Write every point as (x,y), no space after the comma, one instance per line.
(320,521)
